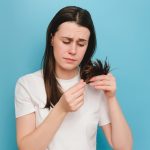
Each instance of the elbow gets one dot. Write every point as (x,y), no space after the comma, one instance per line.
(23,146)
(19,145)
(125,146)
(122,148)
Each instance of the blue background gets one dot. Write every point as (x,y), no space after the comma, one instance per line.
(123,34)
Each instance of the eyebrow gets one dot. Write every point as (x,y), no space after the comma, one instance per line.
(71,39)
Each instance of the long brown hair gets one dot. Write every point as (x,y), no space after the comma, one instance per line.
(81,17)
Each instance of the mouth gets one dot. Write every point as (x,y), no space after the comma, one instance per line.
(69,59)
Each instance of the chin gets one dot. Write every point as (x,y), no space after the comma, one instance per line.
(69,67)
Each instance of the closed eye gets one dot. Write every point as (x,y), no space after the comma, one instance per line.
(81,45)
(66,42)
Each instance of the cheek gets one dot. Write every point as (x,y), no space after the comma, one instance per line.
(82,52)
(59,49)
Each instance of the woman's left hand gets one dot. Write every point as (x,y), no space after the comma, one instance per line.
(106,83)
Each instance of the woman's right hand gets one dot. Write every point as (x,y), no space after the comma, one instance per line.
(73,98)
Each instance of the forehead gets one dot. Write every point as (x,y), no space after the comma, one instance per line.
(71,29)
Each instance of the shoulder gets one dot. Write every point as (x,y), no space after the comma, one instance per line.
(31,78)
(32,84)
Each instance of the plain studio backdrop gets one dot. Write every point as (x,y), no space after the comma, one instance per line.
(123,35)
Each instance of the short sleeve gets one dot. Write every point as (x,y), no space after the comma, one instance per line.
(104,112)
(23,103)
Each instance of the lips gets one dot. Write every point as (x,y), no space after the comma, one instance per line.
(70,59)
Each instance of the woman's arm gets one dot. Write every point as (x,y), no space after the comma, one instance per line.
(31,138)
(118,132)
(121,134)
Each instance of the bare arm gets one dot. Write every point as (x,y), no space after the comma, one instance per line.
(118,132)
(107,131)
(31,138)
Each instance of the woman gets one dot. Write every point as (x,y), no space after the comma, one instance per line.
(55,108)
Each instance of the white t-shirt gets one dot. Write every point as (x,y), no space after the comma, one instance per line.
(78,129)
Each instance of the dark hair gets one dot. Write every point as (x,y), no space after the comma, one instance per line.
(72,14)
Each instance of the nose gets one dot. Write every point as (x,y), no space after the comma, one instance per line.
(73,49)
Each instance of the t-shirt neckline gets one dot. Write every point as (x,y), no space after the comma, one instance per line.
(73,79)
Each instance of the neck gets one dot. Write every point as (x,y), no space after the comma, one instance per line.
(66,74)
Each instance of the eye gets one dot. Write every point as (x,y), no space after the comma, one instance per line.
(66,42)
(81,45)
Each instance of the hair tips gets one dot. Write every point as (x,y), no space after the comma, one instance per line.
(94,68)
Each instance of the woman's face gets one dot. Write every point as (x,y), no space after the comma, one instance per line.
(69,45)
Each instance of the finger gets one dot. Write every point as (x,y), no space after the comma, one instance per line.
(77,87)
(78,93)
(110,74)
(78,105)
(101,83)
(78,100)
(100,77)
(107,88)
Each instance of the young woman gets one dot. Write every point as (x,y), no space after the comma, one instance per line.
(55,108)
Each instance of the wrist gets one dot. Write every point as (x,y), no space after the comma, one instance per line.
(60,108)
(111,99)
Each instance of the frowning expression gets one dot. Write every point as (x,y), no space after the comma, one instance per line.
(69,45)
